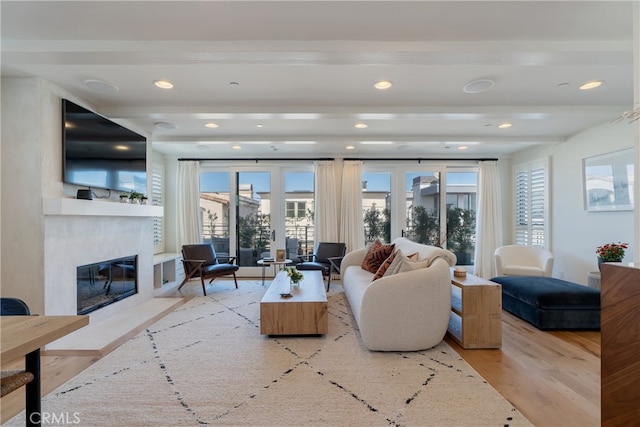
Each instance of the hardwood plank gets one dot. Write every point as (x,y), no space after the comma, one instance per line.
(552,380)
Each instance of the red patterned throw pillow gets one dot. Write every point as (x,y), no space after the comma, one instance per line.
(376,255)
(384,266)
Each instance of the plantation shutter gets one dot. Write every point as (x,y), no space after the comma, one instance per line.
(531,201)
(157,199)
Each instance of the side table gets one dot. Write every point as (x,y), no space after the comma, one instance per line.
(593,279)
(280,264)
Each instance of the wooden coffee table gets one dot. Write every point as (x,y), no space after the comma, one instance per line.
(304,313)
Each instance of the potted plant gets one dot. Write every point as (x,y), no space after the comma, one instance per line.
(611,252)
(144,199)
(124,198)
(135,197)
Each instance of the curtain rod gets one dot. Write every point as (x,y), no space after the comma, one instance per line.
(244,159)
(409,159)
(297,159)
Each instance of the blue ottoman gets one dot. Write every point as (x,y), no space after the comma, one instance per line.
(549,303)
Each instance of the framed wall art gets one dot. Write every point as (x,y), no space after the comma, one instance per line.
(608,181)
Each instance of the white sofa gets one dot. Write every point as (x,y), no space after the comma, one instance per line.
(406,311)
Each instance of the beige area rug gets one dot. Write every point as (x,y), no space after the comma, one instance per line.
(207,364)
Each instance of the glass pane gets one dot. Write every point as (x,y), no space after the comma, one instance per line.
(299,211)
(376,206)
(253,217)
(214,207)
(461,194)
(423,207)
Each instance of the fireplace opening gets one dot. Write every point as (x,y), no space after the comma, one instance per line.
(106,282)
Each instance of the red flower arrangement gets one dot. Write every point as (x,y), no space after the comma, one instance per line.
(611,252)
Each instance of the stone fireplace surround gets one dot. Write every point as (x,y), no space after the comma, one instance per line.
(80,232)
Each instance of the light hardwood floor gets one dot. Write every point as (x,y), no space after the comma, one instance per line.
(553,378)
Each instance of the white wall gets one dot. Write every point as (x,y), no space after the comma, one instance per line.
(575,233)
(40,252)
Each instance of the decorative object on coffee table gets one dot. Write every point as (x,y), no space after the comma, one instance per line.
(295,277)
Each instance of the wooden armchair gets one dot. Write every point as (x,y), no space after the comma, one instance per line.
(326,258)
(200,260)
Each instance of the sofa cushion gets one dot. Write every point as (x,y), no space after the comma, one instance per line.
(385,265)
(425,251)
(376,255)
(410,265)
(399,258)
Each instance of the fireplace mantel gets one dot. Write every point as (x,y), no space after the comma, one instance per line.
(69,206)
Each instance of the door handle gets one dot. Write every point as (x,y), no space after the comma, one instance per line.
(273,235)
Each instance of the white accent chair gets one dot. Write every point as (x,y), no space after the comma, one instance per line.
(519,260)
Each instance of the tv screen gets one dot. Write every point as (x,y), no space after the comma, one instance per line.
(100,153)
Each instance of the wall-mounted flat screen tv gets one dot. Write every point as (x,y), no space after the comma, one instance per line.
(100,153)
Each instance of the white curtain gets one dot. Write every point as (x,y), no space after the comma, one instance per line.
(351,223)
(488,219)
(326,208)
(189,218)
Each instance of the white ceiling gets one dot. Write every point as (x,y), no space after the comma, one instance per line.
(305,71)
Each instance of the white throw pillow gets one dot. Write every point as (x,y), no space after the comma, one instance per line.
(399,259)
(413,265)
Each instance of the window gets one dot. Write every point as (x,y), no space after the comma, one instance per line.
(296,209)
(157,199)
(531,201)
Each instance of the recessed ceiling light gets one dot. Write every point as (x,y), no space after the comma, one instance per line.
(383,84)
(504,125)
(163,84)
(361,126)
(463,147)
(101,86)
(122,147)
(165,126)
(350,147)
(591,85)
(259,125)
(211,125)
(236,147)
(478,86)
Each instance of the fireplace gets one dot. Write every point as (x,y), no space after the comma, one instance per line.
(106,282)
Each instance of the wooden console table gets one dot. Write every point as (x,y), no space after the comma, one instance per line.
(620,341)
(23,336)
(476,312)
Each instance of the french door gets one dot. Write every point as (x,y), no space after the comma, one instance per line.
(251,211)
(430,204)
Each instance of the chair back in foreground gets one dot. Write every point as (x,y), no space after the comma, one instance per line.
(13,380)
(200,260)
(521,260)
(13,307)
(322,258)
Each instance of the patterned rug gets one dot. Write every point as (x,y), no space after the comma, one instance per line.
(207,364)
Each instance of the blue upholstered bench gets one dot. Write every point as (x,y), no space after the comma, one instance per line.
(549,303)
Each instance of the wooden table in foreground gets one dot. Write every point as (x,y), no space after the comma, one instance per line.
(476,312)
(304,313)
(23,336)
